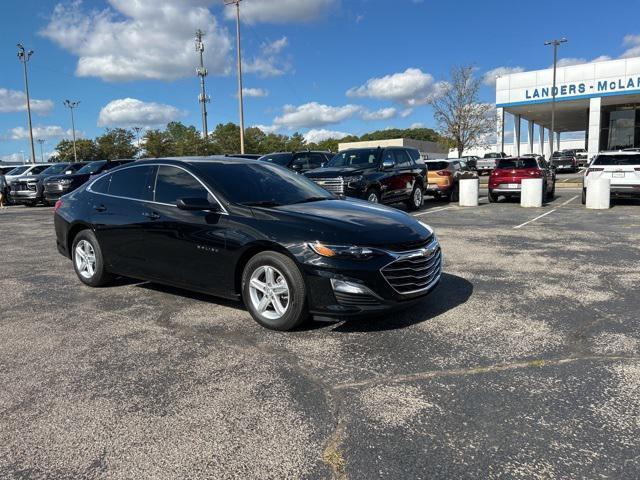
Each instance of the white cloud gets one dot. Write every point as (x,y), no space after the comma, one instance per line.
(318,135)
(13,158)
(569,61)
(632,43)
(131,112)
(406,112)
(417,125)
(280,11)
(314,114)
(382,114)
(45,132)
(15,101)
(269,62)
(411,87)
(489,78)
(267,128)
(142,39)
(255,92)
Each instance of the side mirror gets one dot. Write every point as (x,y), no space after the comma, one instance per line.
(387,165)
(197,204)
(296,166)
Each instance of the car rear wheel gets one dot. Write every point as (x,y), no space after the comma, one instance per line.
(88,261)
(373,195)
(273,289)
(416,199)
(493,197)
(584,196)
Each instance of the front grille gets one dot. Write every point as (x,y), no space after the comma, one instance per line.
(333,185)
(413,273)
(408,246)
(355,300)
(23,187)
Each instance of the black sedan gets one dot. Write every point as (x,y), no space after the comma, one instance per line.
(247,229)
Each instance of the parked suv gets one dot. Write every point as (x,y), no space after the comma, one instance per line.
(379,175)
(565,160)
(506,178)
(56,186)
(487,163)
(443,178)
(299,161)
(29,190)
(621,168)
(22,170)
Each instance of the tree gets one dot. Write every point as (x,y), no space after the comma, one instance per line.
(86,149)
(296,142)
(116,143)
(460,114)
(226,138)
(157,144)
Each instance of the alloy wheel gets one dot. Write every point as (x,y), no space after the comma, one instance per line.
(85,258)
(373,198)
(417,198)
(269,292)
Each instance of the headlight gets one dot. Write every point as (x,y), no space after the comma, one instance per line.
(353,179)
(342,251)
(426,226)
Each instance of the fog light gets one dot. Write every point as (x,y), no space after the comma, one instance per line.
(349,287)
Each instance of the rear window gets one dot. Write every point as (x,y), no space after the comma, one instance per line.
(518,163)
(282,159)
(437,165)
(621,159)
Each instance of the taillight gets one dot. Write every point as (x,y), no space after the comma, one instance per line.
(58,205)
(589,170)
(444,173)
(637,169)
(535,173)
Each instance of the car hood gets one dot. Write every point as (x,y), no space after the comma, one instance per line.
(29,178)
(74,178)
(334,172)
(350,222)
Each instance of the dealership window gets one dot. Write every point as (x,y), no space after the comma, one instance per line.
(620,127)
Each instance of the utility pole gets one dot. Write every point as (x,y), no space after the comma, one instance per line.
(24,57)
(137,130)
(202,72)
(556,44)
(41,142)
(71,105)
(240,100)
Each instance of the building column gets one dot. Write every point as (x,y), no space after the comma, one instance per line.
(558,141)
(541,139)
(594,127)
(531,126)
(517,124)
(500,128)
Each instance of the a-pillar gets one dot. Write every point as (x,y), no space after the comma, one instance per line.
(500,127)
(517,124)
(594,127)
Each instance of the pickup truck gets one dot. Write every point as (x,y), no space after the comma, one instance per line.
(564,161)
(488,162)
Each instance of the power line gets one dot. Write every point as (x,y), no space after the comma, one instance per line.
(202,72)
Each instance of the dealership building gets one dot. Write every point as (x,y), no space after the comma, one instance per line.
(600,99)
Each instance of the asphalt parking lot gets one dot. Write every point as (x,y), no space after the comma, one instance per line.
(525,363)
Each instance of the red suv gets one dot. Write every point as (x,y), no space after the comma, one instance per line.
(507,177)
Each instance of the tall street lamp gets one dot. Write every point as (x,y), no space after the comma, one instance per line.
(41,142)
(137,130)
(556,44)
(24,57)
(240,100)
(71,105)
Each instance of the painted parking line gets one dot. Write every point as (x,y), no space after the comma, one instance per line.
(432,211)
(534,219)
(569,201)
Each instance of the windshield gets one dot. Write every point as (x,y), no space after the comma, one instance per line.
(621,159)
(518,163)
(361,158)
(437,165)
(556,154)
(18,171)
(92,167)
(55,169)
(261,184)
(282,159)
(491,155)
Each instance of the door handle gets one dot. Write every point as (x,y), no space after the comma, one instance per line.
(99,208)
(151,215)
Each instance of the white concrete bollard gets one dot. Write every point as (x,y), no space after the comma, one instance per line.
(599,194)
(531,192)
(469,192)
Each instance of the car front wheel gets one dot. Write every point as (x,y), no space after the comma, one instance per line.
(273,290)
(373,195)
(88,261)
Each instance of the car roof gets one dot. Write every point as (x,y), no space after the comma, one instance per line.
(442,160)
(618,152)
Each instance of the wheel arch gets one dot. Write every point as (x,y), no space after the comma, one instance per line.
(74,230)
(250,252)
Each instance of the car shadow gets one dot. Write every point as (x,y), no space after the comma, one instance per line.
(450,293)
(201,297)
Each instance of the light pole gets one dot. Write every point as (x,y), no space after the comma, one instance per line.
(556,44)
(137,130)
(71,105)
(24,57)
(240,100)
(41,142)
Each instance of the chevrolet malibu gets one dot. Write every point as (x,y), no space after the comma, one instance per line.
(249,230)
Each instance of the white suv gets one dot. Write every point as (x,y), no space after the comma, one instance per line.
(621,168)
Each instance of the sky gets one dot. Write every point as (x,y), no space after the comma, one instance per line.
(320,67)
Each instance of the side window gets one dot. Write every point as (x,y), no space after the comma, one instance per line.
(301,163)
(101,185)
(173,183)
(316,160)
(131,183)
(414,154)
(402,159)
(388,156)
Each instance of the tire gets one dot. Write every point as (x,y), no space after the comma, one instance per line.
(373,195)
(416,200)
(552,194)
(584,196)
(455,193)
(90,273)
(282,312)
(493,198)
(30,204)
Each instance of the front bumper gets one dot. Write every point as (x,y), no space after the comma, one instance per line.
(53,193)
(375,279)
(23,196)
